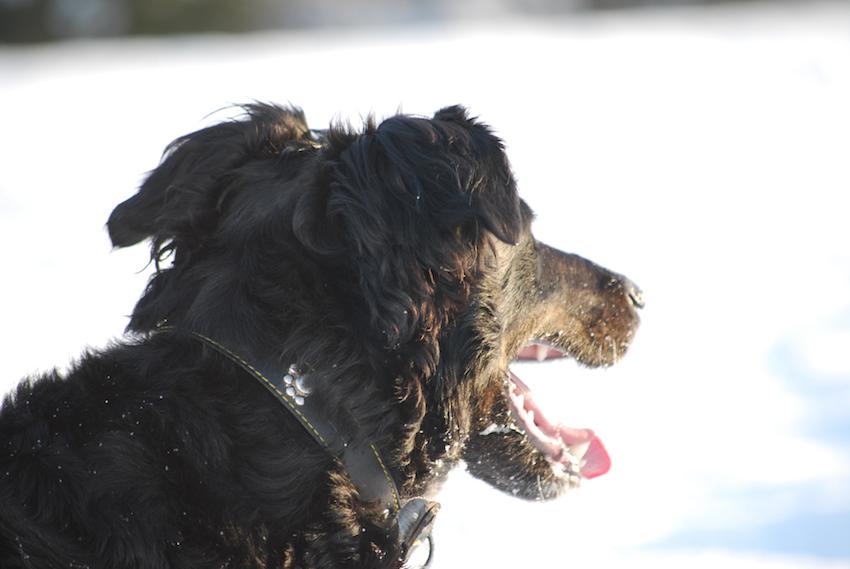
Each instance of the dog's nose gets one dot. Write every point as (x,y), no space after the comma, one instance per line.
(634,292)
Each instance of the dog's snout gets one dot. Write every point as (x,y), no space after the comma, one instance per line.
(634,293)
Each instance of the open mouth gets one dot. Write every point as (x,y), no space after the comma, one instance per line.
(568,449)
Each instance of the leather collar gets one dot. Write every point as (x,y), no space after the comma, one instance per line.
(363,463)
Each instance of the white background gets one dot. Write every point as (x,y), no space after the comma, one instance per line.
(703,153)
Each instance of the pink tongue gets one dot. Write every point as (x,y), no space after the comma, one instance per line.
(596,461)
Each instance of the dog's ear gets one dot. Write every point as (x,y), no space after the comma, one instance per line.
(177,199)
(181,199)
(409,199)
(496,199)
(450,171)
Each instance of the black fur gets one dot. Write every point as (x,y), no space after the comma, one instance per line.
(396,264)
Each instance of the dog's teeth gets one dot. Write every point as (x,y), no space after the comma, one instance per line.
(542,352)
(579,450)
(530,416)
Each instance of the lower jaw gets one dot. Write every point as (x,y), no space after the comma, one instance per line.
(511,466)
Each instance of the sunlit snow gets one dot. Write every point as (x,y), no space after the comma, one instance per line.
(703,153)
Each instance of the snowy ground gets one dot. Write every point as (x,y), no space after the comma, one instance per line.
(706,154)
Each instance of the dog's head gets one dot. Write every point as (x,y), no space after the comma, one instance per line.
(390,219)
(400,257)
(550,305)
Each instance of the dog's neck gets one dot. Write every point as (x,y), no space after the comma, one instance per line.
(410,520)
(290,386)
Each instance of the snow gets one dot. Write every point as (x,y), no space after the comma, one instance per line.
(703,153)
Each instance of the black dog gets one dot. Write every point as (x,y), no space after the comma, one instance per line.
(395,270)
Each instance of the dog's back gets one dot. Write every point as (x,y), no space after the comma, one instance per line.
(130,460)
